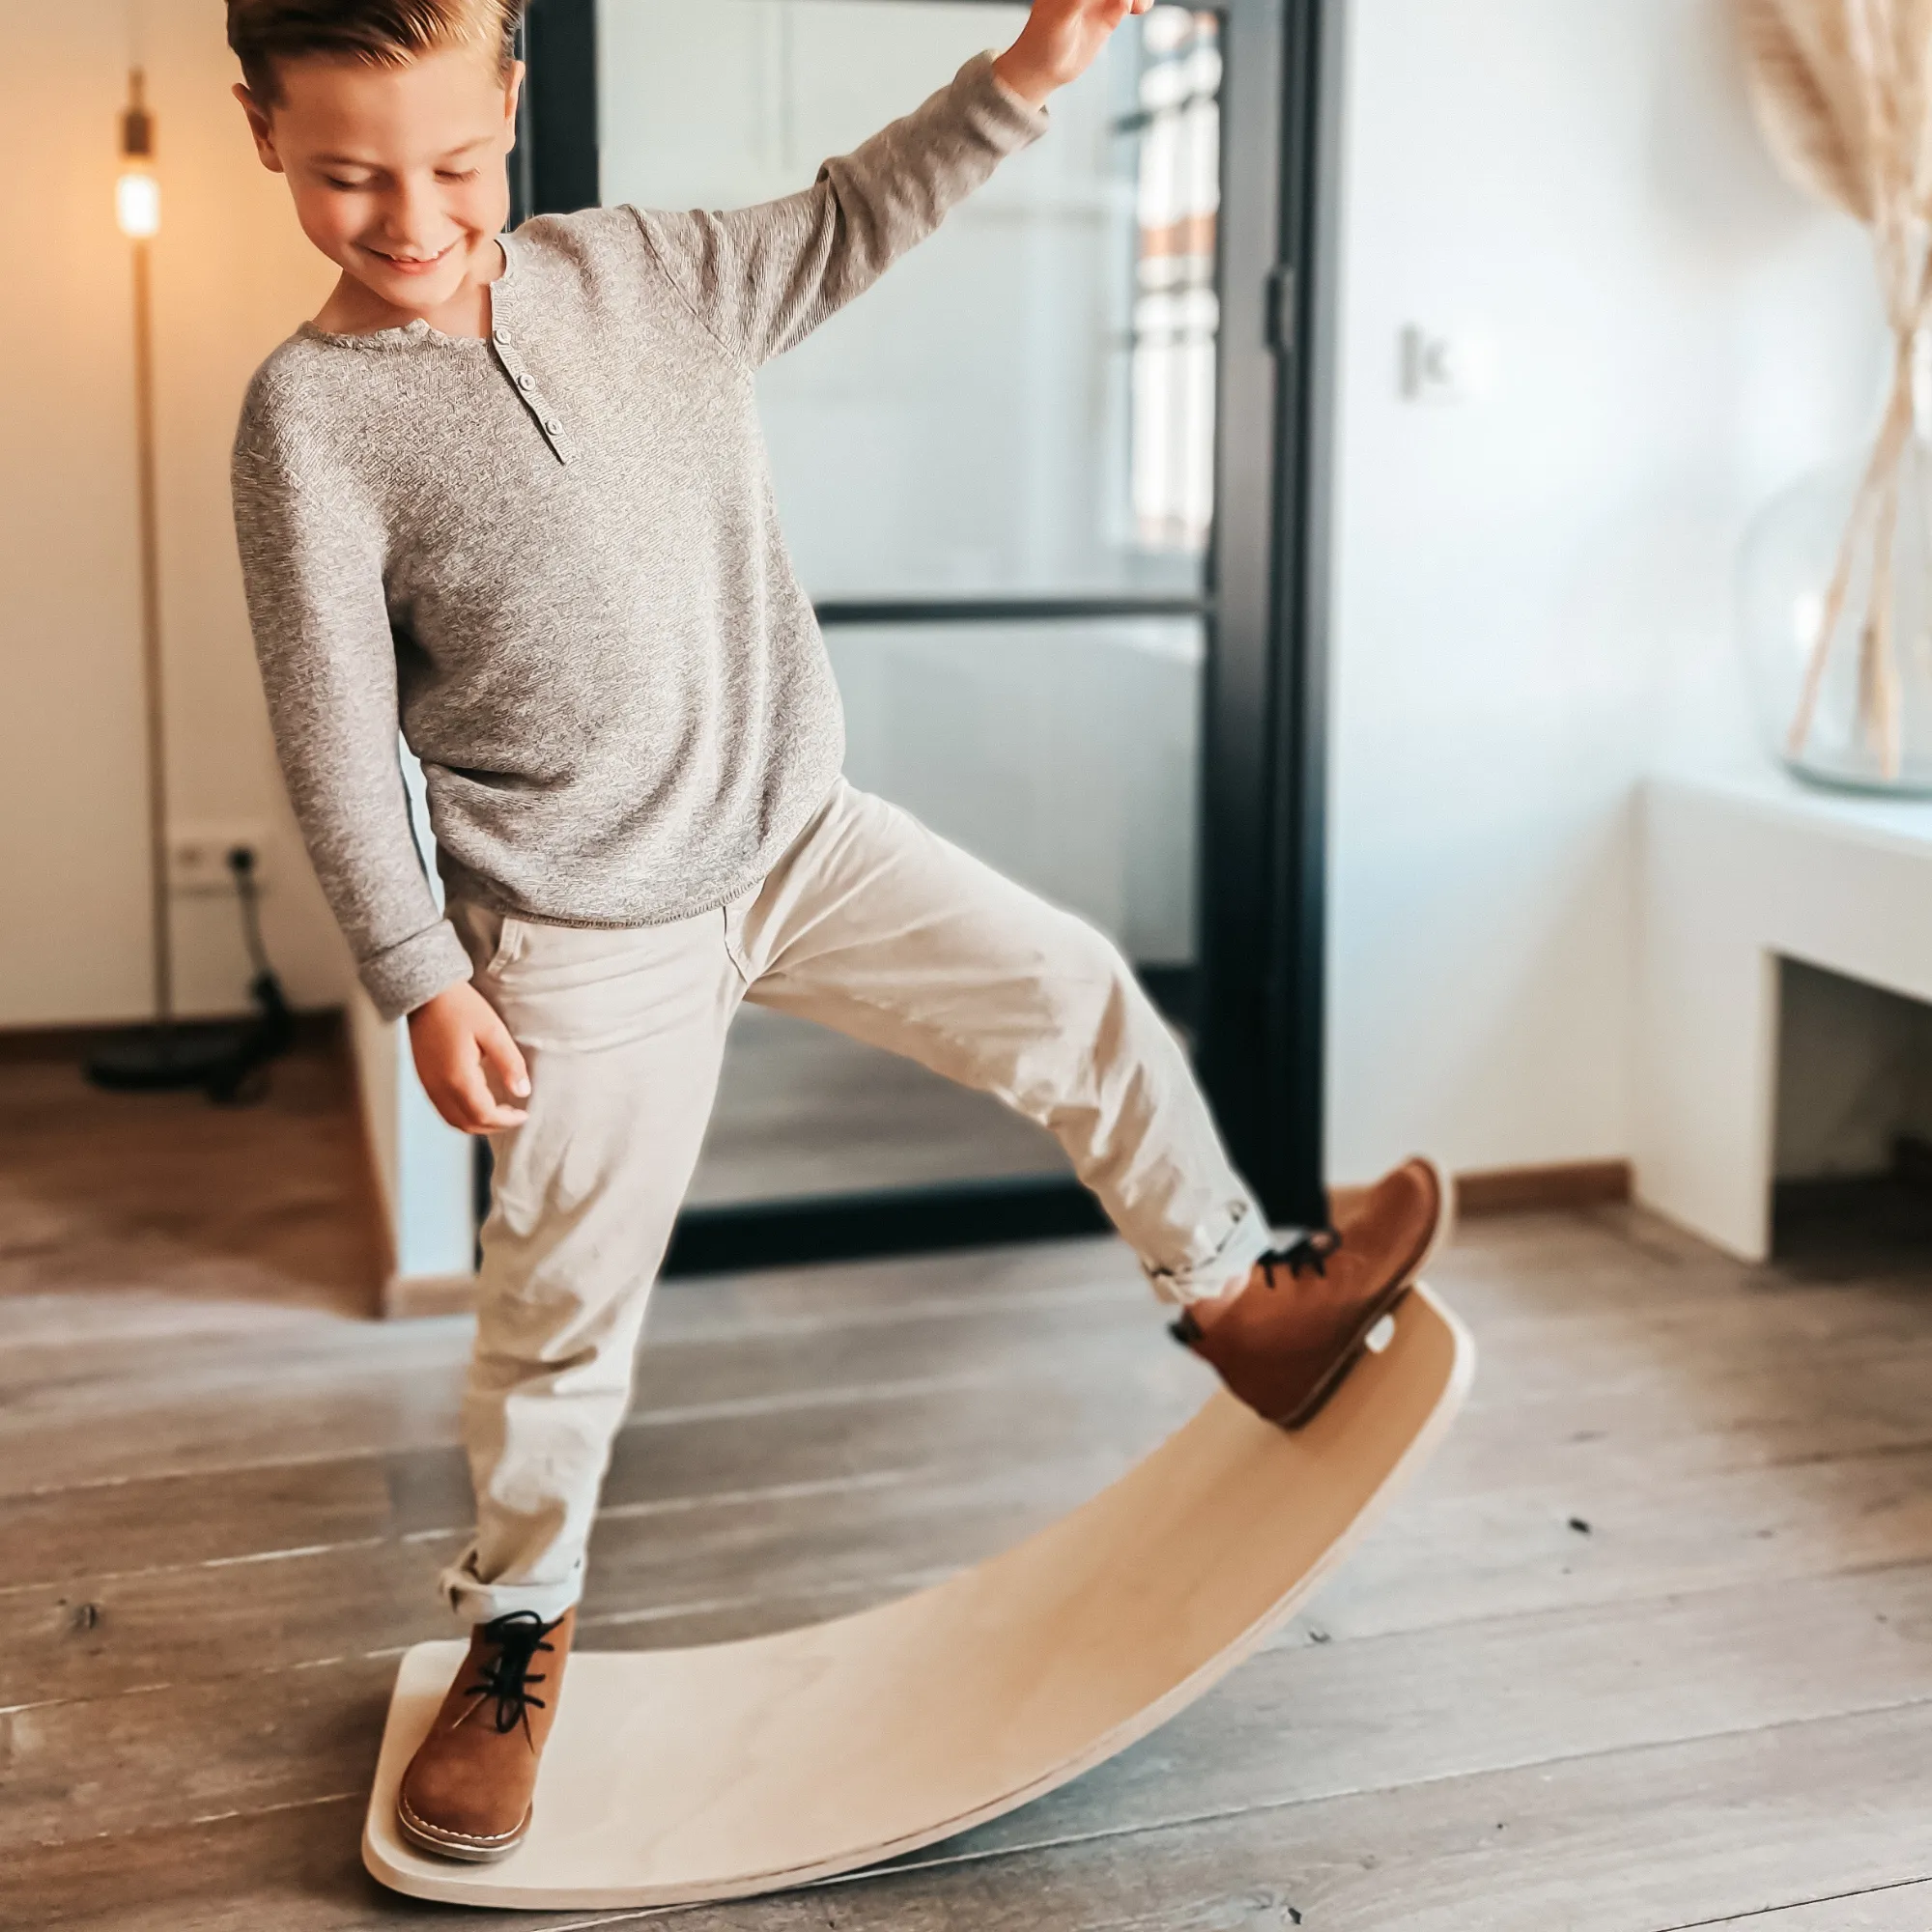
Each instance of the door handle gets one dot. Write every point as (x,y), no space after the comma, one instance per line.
(1278,298)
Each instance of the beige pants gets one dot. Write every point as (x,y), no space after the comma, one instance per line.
(873,926)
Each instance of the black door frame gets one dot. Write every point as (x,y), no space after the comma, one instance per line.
(1262,1047)
(1260,1007)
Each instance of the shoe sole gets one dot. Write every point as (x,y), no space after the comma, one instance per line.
(1384,1304)
(426,1838)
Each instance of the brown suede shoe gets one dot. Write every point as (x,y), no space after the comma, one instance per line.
(467,1793)
(1282,1341)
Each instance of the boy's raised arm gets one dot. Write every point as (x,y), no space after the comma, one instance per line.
(762,278)
(312,565)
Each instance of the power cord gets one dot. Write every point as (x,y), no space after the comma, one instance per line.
(227,1059)
(242,1077)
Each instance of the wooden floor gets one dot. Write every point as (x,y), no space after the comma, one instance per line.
(1650,1647)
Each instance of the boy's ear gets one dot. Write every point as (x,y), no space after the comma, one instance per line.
(513,89)
(260,127)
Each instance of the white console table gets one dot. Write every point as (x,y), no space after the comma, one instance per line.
(1738,870)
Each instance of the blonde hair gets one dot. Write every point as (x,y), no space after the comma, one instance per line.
(378,32)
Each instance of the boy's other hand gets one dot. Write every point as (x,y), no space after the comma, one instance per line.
(472,1069)
(1060,43)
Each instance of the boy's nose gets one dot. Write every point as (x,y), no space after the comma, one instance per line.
(412,222)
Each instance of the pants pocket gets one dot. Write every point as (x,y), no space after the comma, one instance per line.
(508,941)
(490,938)
(736,914)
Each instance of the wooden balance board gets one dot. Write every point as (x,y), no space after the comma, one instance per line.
(674,1776)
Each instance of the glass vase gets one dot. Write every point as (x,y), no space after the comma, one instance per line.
(1866,724)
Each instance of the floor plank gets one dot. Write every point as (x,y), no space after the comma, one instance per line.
(1444,1560)
(296,1870)
(60,1535)
(859,1505)
(206,1404)
(1656,1840)
(1636,1839)
(1306,1720)
(263,1203)
(856,1537)
(1898,1907)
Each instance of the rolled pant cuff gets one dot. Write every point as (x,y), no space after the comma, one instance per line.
(478,1602)
(1245,1243)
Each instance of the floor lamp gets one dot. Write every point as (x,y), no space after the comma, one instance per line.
(164,1053)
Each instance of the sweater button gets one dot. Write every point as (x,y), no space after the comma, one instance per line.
(527,381)
(551,424)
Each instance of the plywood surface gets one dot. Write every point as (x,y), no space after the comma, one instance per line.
(711,1773)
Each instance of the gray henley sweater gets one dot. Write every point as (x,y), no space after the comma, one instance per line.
(552,559)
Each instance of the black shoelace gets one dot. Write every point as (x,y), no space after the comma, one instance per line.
(1307,1254)
(507,1676)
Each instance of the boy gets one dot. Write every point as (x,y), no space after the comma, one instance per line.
(508,491)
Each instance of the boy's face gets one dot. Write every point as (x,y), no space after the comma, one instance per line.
(397,173)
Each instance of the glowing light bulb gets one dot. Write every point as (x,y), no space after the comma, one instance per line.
(138,194)
(137,204)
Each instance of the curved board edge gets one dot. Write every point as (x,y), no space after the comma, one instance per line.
(1192,1689)
(426,1667)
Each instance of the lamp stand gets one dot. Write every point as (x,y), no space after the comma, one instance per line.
(161,1055)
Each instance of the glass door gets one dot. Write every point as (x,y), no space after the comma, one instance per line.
(998,472)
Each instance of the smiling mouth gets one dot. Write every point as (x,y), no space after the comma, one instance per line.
(413,265)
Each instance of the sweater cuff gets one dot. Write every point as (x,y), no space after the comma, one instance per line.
(998,115)
(414,971)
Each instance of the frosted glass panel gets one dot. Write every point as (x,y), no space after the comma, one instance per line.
(1065,754)
(1025,403)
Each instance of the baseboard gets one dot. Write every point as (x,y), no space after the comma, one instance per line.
(49,1044)
(408,1297)
(70,1045)
(1523,1190)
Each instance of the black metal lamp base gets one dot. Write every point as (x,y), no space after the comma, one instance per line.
(221,1057)
(169,1058)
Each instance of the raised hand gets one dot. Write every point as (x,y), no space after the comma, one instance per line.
(1059,44)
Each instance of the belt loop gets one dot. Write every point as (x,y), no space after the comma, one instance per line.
(733,913)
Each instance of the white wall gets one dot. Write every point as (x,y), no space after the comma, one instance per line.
(233,276)
(1533,591)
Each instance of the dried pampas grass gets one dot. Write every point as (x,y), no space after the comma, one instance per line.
(1843,90)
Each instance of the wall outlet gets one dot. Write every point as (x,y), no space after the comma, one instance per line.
(198,856)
